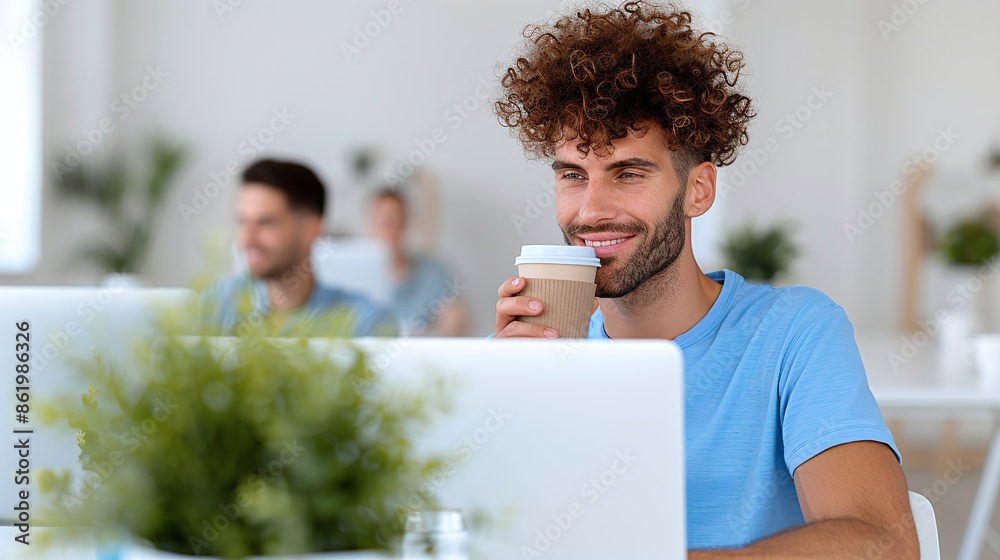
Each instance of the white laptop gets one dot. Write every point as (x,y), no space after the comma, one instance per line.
(58,326)
(577,445)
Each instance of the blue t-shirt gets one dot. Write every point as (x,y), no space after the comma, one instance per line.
(238,306)
(772,377)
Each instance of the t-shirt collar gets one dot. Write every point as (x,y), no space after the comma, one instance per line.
(716,313)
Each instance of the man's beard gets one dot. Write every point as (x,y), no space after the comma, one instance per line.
(653,254)
(279,270)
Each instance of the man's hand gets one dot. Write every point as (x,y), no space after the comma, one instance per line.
(510,306)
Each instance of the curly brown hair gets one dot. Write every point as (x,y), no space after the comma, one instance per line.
(592,77)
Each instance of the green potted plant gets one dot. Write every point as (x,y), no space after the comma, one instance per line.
(240,447)
(966,246)
(129,206)
(970,241)
(760,254)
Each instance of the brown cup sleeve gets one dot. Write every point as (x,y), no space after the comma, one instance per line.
(568,305)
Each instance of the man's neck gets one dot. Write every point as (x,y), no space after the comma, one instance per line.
(665,306)
(286,295)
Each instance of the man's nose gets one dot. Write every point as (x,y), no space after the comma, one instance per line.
(246,234)
(598,202)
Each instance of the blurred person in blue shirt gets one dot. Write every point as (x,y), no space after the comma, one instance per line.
(426,297)
(280,214)
(786,453)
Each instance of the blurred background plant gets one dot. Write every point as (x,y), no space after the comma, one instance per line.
(249,446)
(970,241)
(129,205)
(760,253)
(363,159)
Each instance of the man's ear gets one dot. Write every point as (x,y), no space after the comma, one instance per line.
(701,189)
(313,226)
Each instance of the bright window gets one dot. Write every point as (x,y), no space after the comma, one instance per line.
(20,134)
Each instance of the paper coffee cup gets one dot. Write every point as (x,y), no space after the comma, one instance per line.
(562,278)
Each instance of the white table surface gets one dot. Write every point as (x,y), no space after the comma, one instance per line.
(924,382)
(929,383)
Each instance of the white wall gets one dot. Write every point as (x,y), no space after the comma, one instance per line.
(938,71)
(226,76)
(802,164)
(893,89)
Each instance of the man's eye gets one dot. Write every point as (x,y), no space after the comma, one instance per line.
(630,175)
(572,176)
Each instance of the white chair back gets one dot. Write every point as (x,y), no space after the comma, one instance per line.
(927,533)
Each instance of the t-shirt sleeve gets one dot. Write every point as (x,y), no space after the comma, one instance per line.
(825,399)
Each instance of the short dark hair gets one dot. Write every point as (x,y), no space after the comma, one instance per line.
(301,186)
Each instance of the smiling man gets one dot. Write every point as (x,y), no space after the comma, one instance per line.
(787,455)
(280,215)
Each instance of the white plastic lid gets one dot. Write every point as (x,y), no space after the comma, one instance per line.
(558,254)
